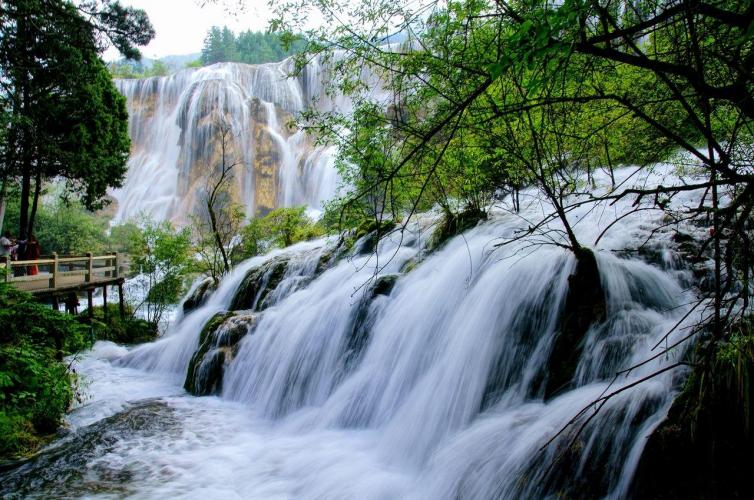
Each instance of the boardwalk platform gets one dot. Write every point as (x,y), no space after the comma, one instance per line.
(57,277)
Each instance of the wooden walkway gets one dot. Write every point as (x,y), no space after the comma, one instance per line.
(60,276)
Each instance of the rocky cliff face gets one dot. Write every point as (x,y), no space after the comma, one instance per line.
(176,126)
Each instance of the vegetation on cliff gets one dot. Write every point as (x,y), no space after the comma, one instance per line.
(61,118)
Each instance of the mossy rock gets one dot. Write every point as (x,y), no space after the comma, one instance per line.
(369,233)
(258,283)
(455,224)
(128,330)
(703,449)
(218,343)
(200,295)
(211,326)
(383,285)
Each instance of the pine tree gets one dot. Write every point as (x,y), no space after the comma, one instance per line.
(66,118)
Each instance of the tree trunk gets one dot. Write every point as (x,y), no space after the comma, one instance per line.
(585,305)
(3,192)
(35,203)
(26,142)
(216,233)
(23,219)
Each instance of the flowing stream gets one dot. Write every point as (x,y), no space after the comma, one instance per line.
(432,389)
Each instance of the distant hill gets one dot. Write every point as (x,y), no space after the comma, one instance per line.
(147,67)
(180,61)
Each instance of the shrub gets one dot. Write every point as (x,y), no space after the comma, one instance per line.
(129,330)
(36,386)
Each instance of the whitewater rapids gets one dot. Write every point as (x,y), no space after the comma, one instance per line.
(443,401)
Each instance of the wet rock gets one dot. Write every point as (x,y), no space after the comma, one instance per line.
(69,469)
(367,235)
(258,284)
(455,224)
(361,323)
(326,261)
(218,343)
(362,318)
(689,249)
(583,466)
(585,306)
(703,449)
(383,285)
(200,295)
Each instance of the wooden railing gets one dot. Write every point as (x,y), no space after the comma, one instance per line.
(65,272)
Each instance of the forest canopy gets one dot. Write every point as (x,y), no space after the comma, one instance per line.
(250,47)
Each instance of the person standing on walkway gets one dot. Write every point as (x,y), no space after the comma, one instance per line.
(6,244)
(33,251)
(6,250)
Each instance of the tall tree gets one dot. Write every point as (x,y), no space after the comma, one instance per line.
(219,219)
(213,50)
(67,119)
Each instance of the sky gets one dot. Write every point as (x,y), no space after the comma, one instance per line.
(181,25)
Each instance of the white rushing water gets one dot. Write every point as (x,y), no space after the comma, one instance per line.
(442,398)
(173,126)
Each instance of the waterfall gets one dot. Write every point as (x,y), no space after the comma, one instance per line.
(419,372)
(170,355)
(173,128)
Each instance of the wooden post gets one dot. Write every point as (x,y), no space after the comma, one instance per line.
(90,300)
(55,302)
(54,281)
(8,268)
(89,269)
(121,302)
(104,302)
(115,265)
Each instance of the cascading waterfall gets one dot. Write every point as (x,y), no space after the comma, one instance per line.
(170,355)
(174,126)
(408,373)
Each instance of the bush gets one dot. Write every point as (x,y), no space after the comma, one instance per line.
(280,228)
(36,386)
(122,331)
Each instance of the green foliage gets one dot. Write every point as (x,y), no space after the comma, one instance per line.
(281,227)
(222,45)
(68,228)
(124,238)
(128,330)
(490,98)
(162,257)
(133,70)
(126,27)
(36,386)
(25,320)
(68,121)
